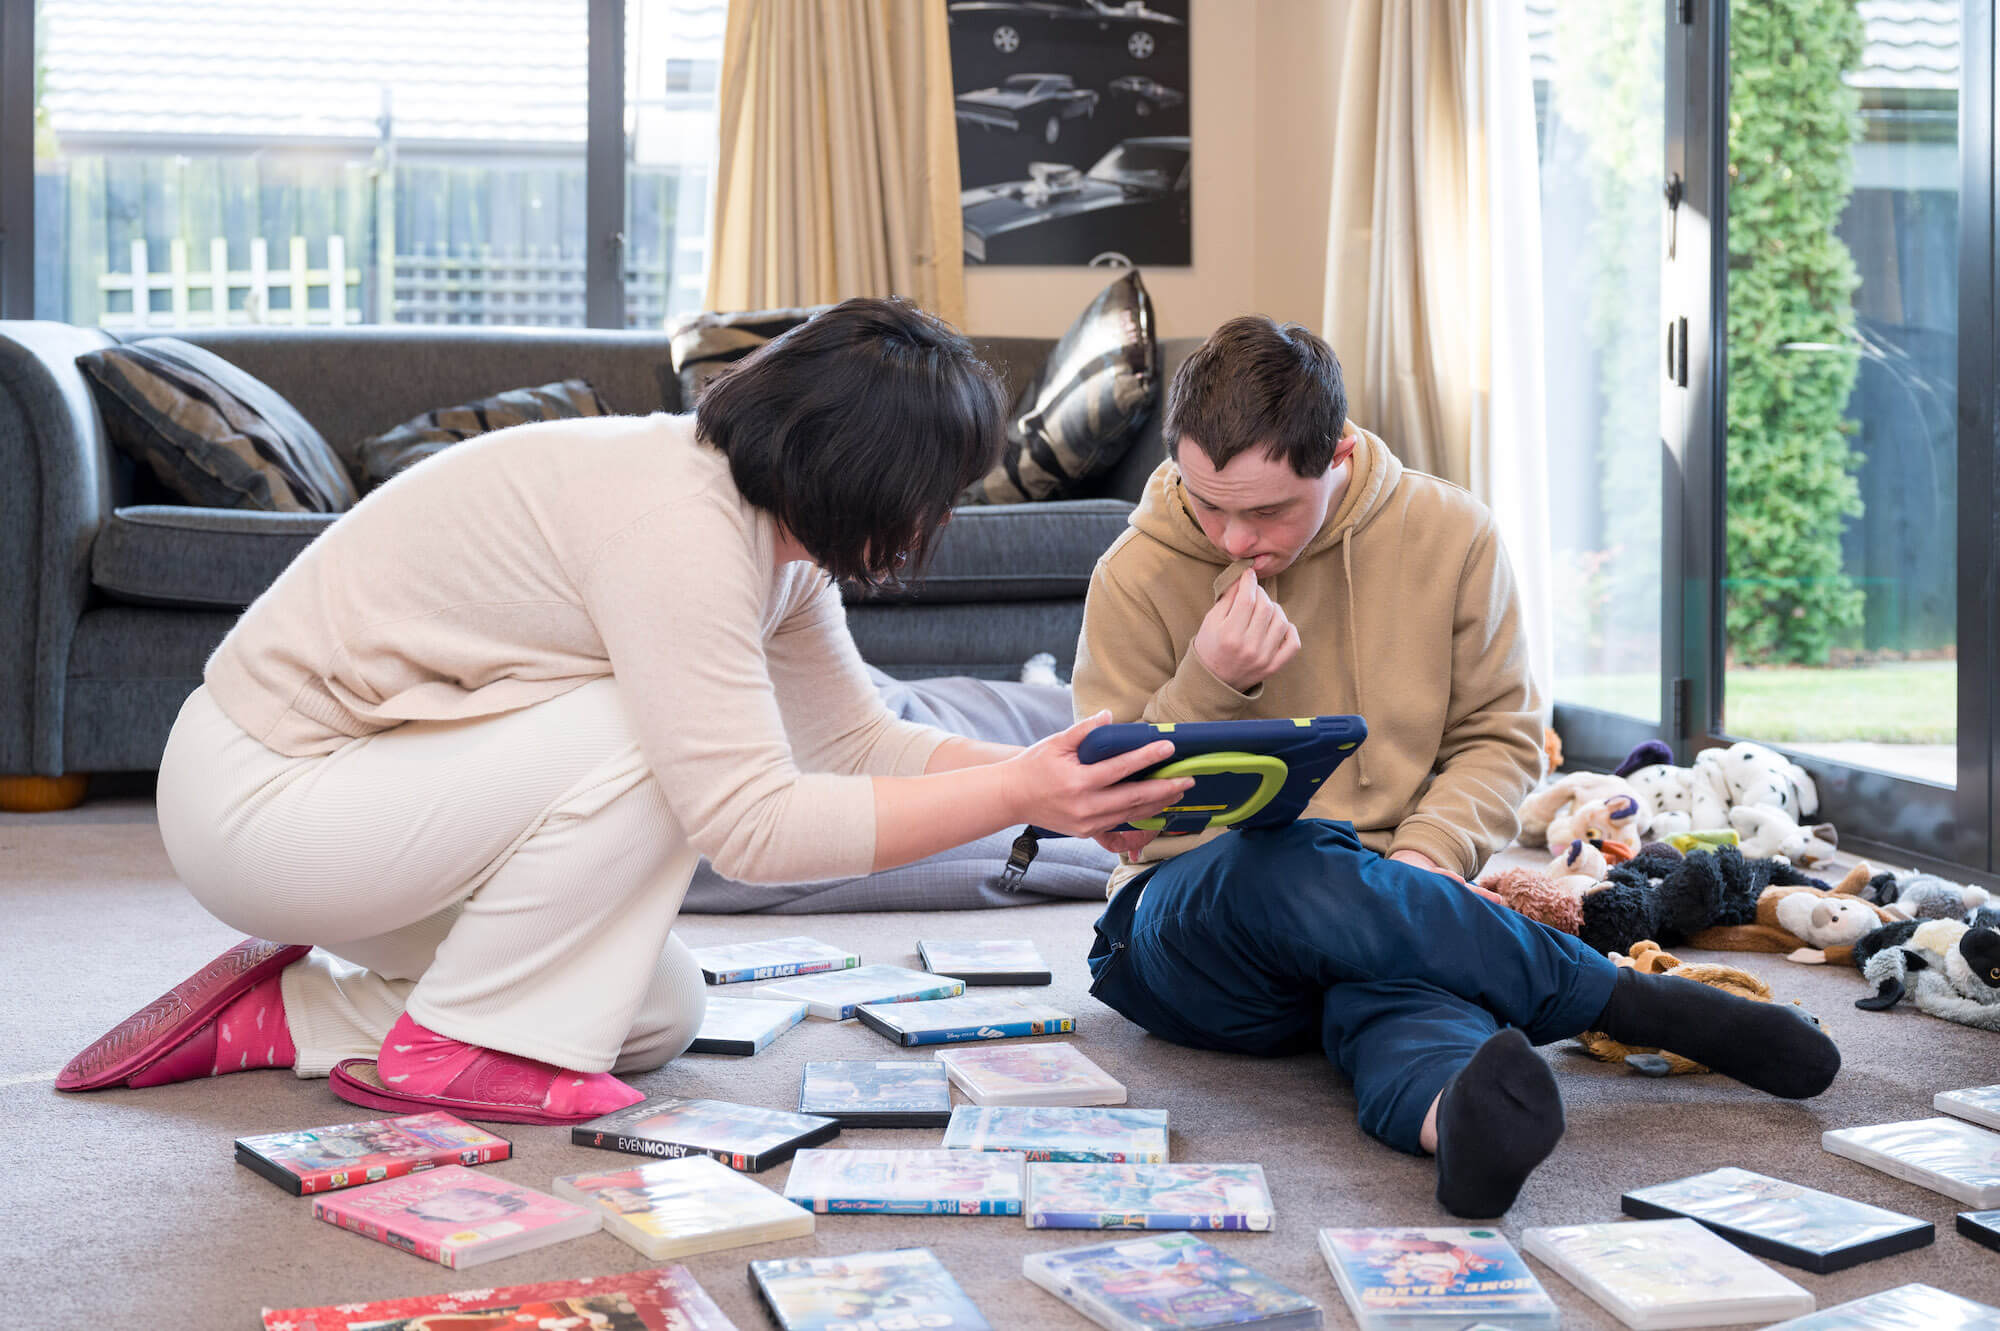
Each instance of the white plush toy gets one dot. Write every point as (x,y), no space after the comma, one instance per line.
(1763,832)
(1556,801)
(1699,798)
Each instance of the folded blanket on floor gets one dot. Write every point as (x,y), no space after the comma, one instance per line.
(965,877)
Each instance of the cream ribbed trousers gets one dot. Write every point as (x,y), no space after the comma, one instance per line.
(511,880)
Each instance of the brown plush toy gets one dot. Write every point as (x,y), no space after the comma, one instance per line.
(1649,959)
(1810,926)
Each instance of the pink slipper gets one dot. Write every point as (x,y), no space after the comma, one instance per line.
(160,1028)
(359,1082)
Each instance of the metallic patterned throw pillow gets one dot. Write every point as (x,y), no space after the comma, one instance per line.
(707,344)
(1079,415)
(411,442)
(215,436)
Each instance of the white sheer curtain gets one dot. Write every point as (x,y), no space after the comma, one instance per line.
(1433,291)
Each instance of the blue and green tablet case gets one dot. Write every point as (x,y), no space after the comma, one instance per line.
(1246,773)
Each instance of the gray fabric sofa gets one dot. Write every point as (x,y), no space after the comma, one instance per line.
(112,600)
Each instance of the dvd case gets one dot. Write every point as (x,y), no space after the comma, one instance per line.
(1435,1280)
(1913,1307)
(455,1217)
(1030,1074)
(744,1137)
(907,1182)
(1168,1281)
(773,959)
(1190,1196)
(667,1299)
(347,1155)
(985,960)
(1981,1227)
(744,1026)
(1076,1135)
(1976,1104)
(965,1018)
(1943,1154)
(676,1208)
(1654,1275)
(1817,1231)
(909,1093)
(908,1287)
(834,997)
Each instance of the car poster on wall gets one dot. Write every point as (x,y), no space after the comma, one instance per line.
(1073,131)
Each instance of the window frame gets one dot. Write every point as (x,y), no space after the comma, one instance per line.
(604,170)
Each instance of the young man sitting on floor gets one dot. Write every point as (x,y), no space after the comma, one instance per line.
(1284,563)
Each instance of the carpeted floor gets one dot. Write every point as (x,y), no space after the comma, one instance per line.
(126,1207)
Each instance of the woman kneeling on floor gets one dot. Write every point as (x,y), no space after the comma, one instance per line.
(464,754)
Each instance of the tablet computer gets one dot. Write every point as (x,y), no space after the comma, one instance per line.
(1246,773)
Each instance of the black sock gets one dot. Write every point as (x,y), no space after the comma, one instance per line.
(1774,1047)
(1497,1119)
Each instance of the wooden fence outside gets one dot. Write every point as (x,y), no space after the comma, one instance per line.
(480,286)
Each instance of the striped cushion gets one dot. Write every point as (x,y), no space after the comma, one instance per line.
(434,431)
(215,435)
(1081,413)
(705,345)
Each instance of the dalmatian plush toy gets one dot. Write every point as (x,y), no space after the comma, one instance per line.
(1699,798)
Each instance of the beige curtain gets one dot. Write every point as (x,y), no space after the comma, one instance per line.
(1433,288)
(837,174)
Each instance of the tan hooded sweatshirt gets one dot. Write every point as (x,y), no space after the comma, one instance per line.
(1407,616)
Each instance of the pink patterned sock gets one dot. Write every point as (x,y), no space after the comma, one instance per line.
(418,1061)
(251,1032)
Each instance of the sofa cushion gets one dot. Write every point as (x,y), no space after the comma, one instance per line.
(1076,418)
(414,440)
(215,435)
(708,344)
(220,559)
(1012,552)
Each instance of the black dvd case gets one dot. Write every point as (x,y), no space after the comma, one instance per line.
(883,1093)
(744,1137)
(1820,1261)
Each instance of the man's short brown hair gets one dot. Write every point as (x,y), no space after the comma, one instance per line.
(1258,384)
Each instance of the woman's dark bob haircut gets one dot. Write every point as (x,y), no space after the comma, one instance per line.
(856,430)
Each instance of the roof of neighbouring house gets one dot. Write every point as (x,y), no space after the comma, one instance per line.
(1907,43)
(512,73)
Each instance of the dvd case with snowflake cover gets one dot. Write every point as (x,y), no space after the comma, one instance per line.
(772,959)
(1943,1154)
(985,960)
(1816,1231)
(1913,1307)
(1435,1280)
(965,1018)
(1655,1275)
(834,997)
(1976,1104)
(1062,1133)
(744,1026)
(865,1291)
(907,1182)
(347,1155)
(676,1208)
(749,1138)
(455,1217)
(1030,1074)
(1186,1196)
(1168,1281)
(667,1299)
(908,1093)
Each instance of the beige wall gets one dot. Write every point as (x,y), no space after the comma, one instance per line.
(1262,92)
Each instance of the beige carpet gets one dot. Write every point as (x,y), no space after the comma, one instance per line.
(126,1207)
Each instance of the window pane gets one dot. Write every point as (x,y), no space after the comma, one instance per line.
(276,161)
(673,56)
(1599,70)
(1841,585)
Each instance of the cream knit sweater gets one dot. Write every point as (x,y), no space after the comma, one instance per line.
(522,564)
